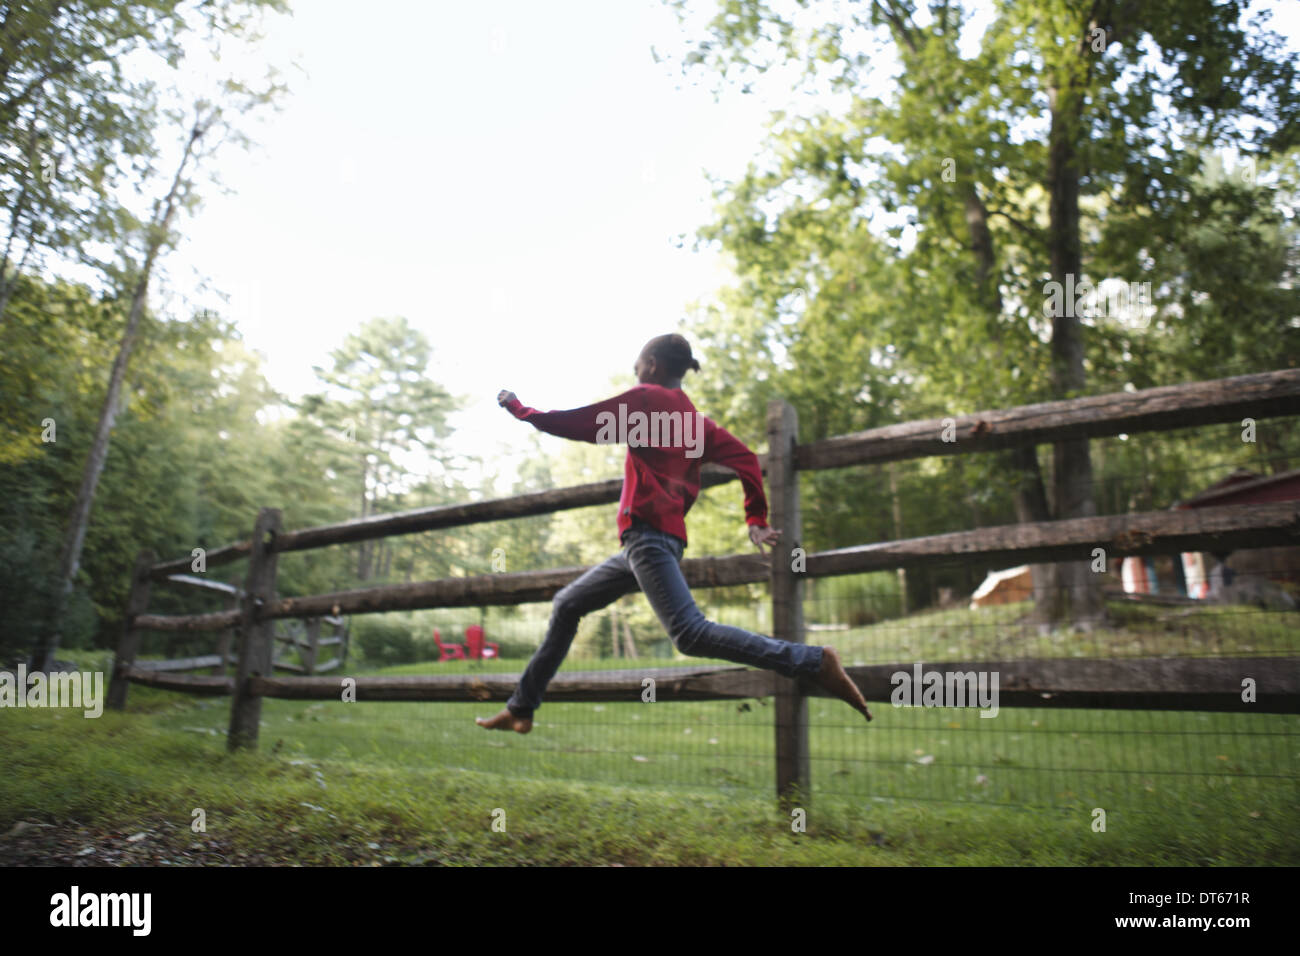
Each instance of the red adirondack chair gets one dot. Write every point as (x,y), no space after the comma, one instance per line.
(449,652)
(474,643)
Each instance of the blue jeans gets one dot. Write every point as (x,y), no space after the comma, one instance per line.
(650,562)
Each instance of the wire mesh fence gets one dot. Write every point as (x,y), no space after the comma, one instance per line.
(1058,758)
(1235,609)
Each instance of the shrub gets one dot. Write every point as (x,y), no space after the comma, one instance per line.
(385,642)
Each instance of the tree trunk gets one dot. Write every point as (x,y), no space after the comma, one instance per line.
(363,548)
(629,643)
(1031,506)
(75,536)
(7,283)
(1072,465)
(1030,497)
(898,534)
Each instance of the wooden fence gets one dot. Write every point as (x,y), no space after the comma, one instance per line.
(302,636)
(1153,683)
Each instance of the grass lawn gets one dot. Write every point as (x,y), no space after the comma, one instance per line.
(664,784)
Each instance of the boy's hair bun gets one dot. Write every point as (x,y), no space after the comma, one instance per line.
(673,353)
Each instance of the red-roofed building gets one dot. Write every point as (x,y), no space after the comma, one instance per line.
(1242,486)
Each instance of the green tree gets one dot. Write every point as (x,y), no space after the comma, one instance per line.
(211,124)
(379,404)
(892,251)
(76,125)
(190,462)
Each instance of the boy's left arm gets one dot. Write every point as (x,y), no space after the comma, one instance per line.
(579,424)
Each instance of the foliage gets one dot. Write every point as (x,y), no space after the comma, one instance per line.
(385,641)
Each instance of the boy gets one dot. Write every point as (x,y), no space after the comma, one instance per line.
(661,480)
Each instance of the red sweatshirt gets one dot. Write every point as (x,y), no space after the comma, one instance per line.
(661,475)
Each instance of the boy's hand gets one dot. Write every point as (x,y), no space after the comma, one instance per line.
(762,536)
(504,397)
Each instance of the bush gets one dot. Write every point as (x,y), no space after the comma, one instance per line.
(28,576)
(385,642)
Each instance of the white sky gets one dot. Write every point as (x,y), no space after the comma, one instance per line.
(510,176)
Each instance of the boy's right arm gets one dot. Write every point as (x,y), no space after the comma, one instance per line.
(726,449)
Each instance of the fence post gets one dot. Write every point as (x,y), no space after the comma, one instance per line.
(793,778)
(129,643)
(255,632)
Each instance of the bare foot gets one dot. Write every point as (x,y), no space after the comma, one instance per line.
(835,680)
(506,721)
